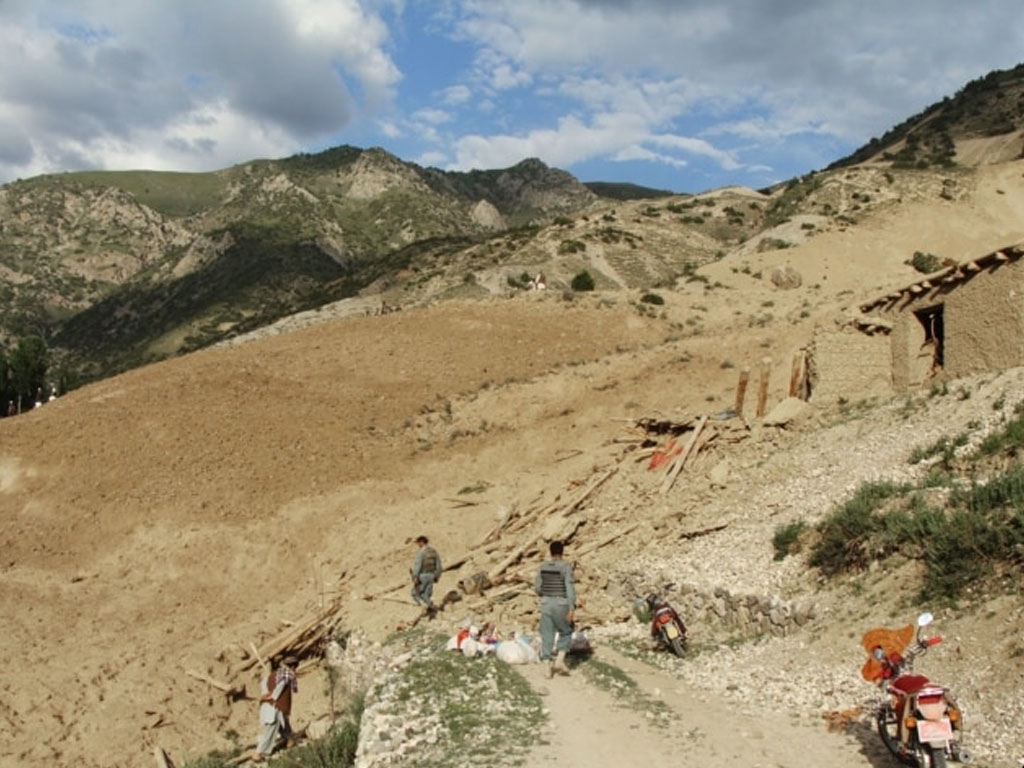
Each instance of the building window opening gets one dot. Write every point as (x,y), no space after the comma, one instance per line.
(932,323)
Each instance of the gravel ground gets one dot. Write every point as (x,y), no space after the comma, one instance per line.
(800,474)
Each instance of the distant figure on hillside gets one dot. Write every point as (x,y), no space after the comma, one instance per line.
(276,691)
(39,397)
(11,409)
(425,572)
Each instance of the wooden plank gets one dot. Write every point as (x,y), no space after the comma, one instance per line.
(702,531)
(514,558)
(162,760)
(260,659)
(274,646)
(606,540)
(680,460)
(218,684)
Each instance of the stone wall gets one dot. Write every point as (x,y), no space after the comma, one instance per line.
(848,363)
(748,614)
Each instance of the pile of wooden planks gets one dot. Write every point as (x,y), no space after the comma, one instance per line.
(304,640)
(671,445)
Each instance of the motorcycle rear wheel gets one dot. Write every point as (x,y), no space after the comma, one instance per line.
(934,757)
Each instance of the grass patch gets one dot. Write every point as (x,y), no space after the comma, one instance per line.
(944,447)
(481,707)
(625,690)
(335,750)
(1008,440)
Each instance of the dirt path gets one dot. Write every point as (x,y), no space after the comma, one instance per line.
(594,728)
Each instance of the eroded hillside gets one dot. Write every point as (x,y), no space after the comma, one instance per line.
(162,520)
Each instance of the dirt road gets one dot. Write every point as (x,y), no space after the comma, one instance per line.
(662,720)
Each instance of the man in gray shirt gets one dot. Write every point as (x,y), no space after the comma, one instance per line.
(425,572)
(554,584)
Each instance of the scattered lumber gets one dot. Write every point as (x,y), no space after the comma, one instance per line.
(514,558)
(307,633)
(459,503)
(677,465)
(702,531)
(230,690)
(162,760)
(606,540)
(260,659)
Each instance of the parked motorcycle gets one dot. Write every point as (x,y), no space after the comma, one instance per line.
(667,625)
(919,721)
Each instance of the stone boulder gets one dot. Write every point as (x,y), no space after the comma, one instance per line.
(785,277)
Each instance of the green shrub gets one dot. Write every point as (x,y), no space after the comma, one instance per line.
(845,534)
(977,535)
(786,540)
(926,263)
(582,282)
(652,298)
(1008,440)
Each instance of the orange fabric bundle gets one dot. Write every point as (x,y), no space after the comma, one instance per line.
(891,641)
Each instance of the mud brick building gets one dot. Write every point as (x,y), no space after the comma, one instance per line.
(965,319)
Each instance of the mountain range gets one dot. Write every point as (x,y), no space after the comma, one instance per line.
(114,269)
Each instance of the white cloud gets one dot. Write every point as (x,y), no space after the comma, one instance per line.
(764,72)
(430,159)
(433,116)
(505,77)
(455,95)
(389,129)
(732,86)
(634,152)
(100,82)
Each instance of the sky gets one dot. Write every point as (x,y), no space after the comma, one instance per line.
(682,95)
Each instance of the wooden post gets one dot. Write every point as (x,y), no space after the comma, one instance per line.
(762,389)
(741,391)
(796,375)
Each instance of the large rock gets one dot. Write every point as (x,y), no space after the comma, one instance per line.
(785,277)
(790,409)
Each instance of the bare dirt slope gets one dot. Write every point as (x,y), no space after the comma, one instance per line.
(155,519)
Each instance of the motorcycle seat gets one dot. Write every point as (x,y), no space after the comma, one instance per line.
(908,684)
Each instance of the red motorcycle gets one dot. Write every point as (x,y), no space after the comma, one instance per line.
(919,722)
(667,625)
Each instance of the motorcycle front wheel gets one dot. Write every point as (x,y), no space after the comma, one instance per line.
(677,646)
(888,730)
